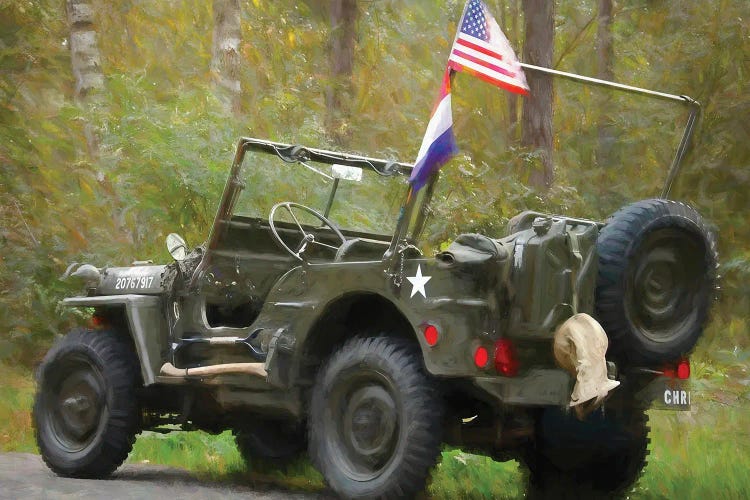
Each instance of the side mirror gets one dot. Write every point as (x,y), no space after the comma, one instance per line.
(176,246)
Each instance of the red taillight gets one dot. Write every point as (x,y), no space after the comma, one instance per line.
(683,369)
(506,362)
(431,335)
(481,356)
(97,321)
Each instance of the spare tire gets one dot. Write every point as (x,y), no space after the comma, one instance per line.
(656,280)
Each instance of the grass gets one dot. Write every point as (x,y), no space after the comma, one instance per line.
(704,453)
(217,458)
(16,399)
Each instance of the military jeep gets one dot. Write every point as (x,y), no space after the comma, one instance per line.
(315,330)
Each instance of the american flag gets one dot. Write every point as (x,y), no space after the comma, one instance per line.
(481,49)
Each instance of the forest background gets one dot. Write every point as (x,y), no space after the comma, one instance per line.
(104,153)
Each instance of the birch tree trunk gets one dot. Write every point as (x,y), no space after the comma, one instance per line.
(536,126)
(605,64)
(84,49)
(85,61)
(343,15)
(225,53)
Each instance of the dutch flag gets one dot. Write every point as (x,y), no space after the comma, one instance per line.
(482,50)
(438,145)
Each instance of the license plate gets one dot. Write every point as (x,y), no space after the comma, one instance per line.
(667,394)
(677,399)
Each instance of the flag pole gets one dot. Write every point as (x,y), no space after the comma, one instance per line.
(404,216)
(605,83)
(694,106)
(402,225)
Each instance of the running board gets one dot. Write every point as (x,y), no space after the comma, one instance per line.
(254,351)
(257,369)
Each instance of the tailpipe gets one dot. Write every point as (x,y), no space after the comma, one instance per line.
(580,348)
(257,369)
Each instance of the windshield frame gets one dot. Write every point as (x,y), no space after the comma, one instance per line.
(292,154)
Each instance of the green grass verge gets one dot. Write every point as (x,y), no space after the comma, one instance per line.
(16,400)
(704,453)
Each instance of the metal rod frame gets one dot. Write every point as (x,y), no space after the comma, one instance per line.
(385,167)
(694,106)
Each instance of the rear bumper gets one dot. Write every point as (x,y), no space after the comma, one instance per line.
(553,387)
(537,387)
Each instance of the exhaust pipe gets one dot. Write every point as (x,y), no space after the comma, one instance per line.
(257,369)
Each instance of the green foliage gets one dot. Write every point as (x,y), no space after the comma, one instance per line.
(166,142)
(16,398)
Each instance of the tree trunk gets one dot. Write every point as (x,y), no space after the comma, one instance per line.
(84,50)
(605,60)
(513,97)
(85,61)
(343,15)
(225,52)
(536,126)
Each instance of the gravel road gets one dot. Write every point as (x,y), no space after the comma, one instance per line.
(23,475)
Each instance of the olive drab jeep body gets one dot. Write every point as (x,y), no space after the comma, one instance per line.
(299,332)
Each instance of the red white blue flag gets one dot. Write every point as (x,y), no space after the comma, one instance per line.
(438,144)
(480,49)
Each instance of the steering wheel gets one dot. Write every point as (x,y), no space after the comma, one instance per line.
(306,237)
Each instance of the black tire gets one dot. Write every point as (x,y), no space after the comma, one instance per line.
(375,422)
(86,414)
(656,280)
(272,440)
(600,457)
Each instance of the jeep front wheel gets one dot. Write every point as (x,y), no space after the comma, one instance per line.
(375,420)
(85,412)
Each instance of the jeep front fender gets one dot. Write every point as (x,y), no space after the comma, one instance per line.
(146,326)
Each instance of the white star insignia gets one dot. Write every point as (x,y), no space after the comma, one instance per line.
(418,282)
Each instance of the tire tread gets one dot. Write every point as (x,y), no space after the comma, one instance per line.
(419,393)
(616,246)
(120,369)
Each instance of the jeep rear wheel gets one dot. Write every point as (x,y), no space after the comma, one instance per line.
(375,420)
(86,413)
(657,267)
(601,456)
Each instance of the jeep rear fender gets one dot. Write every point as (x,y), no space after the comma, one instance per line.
(347,315)
(146,326)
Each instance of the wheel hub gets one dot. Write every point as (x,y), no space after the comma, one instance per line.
(371,421)
(365,423)
(658,288)
(662,285)
(78,408)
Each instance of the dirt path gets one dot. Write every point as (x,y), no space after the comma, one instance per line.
(23,475)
